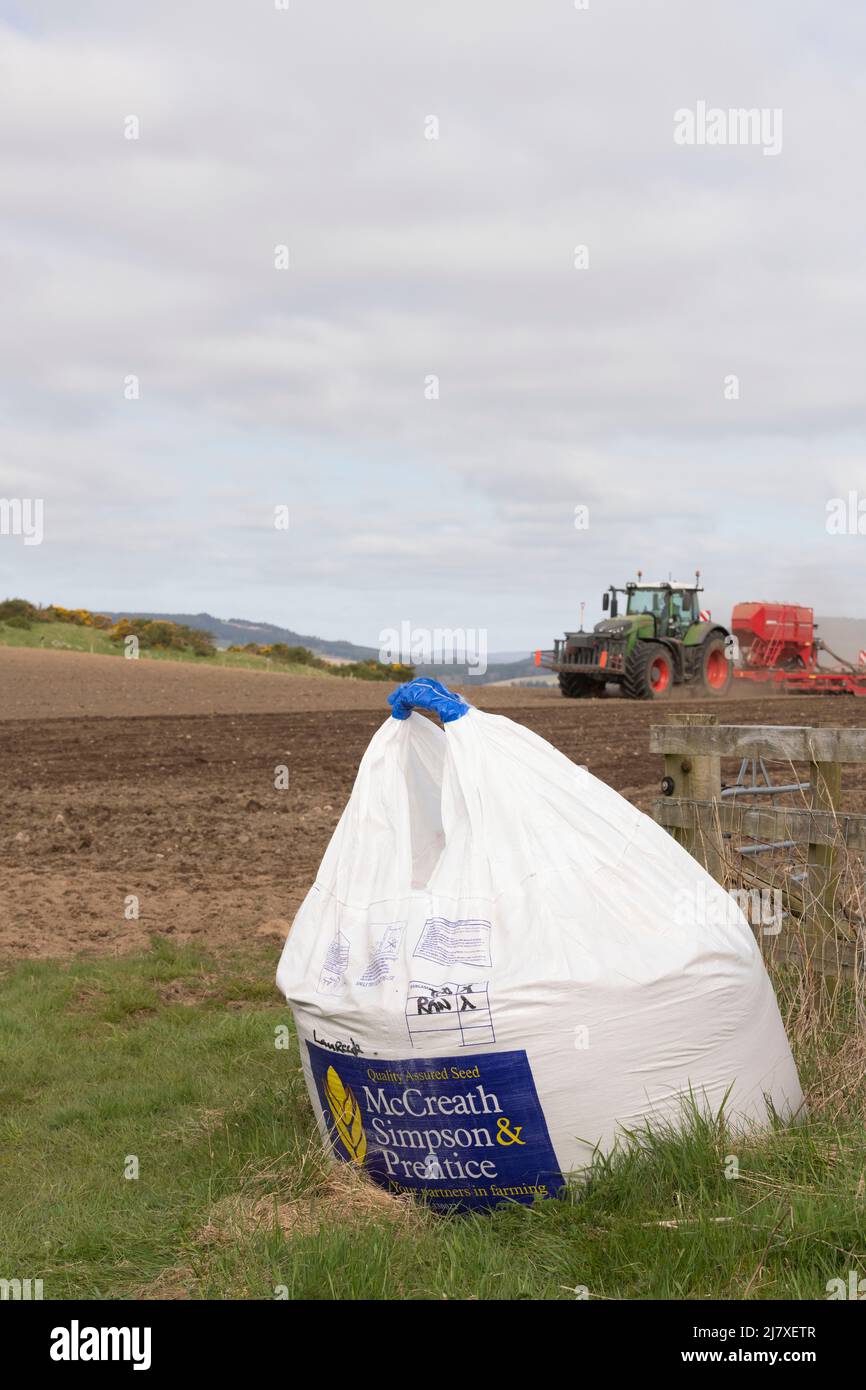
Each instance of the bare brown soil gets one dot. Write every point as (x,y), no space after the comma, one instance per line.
(158,782)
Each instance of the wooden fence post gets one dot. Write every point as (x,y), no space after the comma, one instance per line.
(698,777)
(693,812)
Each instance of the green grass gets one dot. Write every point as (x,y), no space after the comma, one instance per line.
(71,637)
(170,1057)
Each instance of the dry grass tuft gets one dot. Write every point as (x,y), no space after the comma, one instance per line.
(818,967)
(344,1197)
(177,1283)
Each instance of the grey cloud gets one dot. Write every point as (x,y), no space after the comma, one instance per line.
(411,257)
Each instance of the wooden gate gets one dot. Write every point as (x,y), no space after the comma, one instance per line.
(825,899)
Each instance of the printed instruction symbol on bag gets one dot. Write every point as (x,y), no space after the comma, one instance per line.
(381,962)
(347,1116)
(464,942)
(332,977)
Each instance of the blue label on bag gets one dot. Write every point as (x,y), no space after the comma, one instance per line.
(462,1131)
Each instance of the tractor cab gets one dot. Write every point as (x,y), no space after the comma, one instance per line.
(672,607)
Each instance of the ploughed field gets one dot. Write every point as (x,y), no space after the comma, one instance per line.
(156,781)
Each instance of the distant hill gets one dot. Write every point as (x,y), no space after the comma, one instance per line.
(238,631)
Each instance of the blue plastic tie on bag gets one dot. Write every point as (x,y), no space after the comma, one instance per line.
(426,693)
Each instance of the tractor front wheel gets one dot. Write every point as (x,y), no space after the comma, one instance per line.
(576,687)
(649,673)
(716,670)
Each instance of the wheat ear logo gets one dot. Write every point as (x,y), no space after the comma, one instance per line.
(347,1116)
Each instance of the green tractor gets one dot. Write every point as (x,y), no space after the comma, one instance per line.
(661,639)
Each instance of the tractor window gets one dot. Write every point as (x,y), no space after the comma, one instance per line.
(682,608)
(646,601)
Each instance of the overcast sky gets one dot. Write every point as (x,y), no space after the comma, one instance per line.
(412,257)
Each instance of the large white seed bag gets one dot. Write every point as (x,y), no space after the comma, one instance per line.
(502,962)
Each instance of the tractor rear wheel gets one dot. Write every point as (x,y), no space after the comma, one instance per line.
(716,670)
(576,687)
(649,672)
